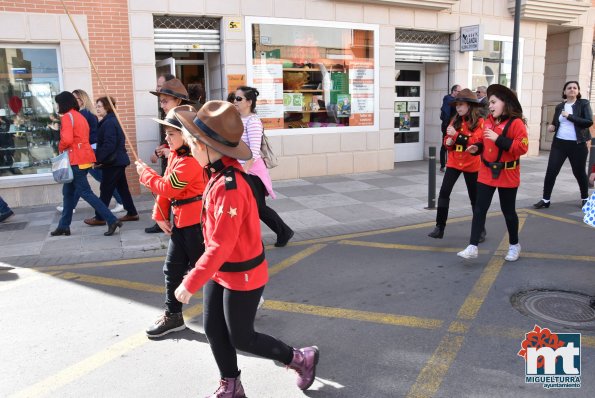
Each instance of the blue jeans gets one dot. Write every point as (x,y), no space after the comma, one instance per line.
(98,175)
(3,206)
(80,187)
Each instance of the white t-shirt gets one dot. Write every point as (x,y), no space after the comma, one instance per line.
(566,130)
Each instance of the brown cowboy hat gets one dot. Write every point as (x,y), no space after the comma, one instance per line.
(170,119)
(174,88)
(466,95)
(506,95)
(218,125)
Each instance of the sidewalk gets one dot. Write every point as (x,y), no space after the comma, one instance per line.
(314,207)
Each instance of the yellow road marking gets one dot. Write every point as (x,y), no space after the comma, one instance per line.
(95,361)
(459,327)
(397,246)
(99,280)
(519,334)
(365,316)
(129,261)
(555,218)
(288,262)
(429,380)
(567,257)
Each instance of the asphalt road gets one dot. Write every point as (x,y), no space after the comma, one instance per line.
(395,314)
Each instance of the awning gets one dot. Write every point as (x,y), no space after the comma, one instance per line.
(186,34)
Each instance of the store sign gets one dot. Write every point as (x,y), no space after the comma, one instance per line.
(234,25)
(234,81)
(361,89)
(471,38)
(268,77)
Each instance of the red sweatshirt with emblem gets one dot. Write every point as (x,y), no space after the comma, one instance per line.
(513,146)
(183,179)
(457,157)
(231,227)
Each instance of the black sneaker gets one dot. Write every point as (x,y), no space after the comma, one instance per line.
(154,229)
(166,323)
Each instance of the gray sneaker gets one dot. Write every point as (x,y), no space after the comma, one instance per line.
(166,323)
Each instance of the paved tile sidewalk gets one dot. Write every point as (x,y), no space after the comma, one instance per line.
(314,207)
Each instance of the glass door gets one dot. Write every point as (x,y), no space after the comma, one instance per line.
(408,112)
(165,66)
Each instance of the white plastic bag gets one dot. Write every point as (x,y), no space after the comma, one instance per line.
(589,210)
(61,169)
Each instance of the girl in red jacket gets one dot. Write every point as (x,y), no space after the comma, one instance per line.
(180,188)
(501,146)
(466,123)
(232,269)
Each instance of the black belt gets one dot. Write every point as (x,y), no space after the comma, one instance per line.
(502,165)
(180,202)
(242,266)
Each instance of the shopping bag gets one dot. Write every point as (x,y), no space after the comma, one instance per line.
(589,210)
(266,153)
(61,169)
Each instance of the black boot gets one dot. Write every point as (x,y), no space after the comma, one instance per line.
(61,231)
(542,204)
(112,228)
(155,229)
(437,233)
(284,238)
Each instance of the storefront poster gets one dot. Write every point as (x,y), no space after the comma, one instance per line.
(361,88)
(268,79)
(234,81)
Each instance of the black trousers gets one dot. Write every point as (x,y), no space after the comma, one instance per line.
(266,214)
(443,152)
(450,178)
(228,320)
(577,154)
(485,193)
(114,177)
(186,245)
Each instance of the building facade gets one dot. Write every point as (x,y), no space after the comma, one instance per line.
(345,86)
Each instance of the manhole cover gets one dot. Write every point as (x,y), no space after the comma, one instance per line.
(567,309)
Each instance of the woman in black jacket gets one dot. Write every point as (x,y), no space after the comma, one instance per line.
(571,123)
(113,160)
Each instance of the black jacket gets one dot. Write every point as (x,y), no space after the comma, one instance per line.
(582,118)
(110,139)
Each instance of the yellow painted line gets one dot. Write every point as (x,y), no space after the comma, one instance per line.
(566,257)
(555,218)
(364,316)
(124,284)
(397,246)
(95,361)
(288,262)
(459,327)
(129,261)
(429,380)
(24,279)
(519,334)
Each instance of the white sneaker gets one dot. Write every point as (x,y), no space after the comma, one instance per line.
(514,251)
(260,303)
(469,252)
(61,209)
(118,208)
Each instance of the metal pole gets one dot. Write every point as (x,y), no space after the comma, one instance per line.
(432,179)
(515,44)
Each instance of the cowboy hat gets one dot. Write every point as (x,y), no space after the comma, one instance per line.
(170,119)
(506,95)
(466,95)
(218,125)
(174,88)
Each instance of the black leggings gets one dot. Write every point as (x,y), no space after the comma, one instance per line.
(507,204)
(186,245)
(266,214)
(577,154)
(229,325)
(450,178)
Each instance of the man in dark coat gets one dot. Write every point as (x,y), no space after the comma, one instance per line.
(445,114)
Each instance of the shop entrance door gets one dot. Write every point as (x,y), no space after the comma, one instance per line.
(408,112)
(192,72)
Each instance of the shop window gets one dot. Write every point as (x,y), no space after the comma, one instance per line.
(29,132)
(314,76)
(494,63)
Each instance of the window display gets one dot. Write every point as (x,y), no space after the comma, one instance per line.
(314,76)
(494,63)
(29,127)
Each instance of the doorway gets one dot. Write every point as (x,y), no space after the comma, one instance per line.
(191,69)
(408,112)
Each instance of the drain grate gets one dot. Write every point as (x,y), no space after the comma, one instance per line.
(566,309)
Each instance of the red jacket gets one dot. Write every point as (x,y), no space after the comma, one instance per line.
(75,138)
(514,145)
(183,179)
(457,157)
(231,227)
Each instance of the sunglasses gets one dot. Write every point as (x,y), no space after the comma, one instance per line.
(239,99)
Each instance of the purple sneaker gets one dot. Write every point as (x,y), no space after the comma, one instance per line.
(304,363)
